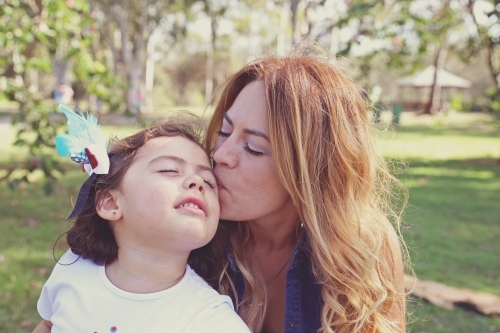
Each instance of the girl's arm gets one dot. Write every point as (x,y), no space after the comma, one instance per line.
(43,327)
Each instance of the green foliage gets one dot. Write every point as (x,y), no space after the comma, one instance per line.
(493,95)
(36,131)
(34,36)
(408,32)
(456,102)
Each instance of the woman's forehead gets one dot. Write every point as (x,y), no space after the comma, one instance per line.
(250,107)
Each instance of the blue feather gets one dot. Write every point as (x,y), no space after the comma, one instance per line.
(61,146)
(82,132)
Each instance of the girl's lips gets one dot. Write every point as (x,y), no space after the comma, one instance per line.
(185,201)
(192,211)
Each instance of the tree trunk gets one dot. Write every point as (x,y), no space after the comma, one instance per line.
(280,47)
(490,47)
(149,83)
(434,103)
(294,4)
(209,74)
(493,65)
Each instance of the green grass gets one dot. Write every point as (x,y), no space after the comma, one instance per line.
(452,222)
(453,217)
(31,223)
(426,318)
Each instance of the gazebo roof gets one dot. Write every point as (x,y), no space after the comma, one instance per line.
(425,78)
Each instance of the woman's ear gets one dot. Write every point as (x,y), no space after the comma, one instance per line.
(107,207)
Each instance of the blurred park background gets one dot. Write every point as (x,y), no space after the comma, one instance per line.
(430,70)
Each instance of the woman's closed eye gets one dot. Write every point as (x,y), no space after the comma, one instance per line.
(246,147)
(251,151)
(223,134)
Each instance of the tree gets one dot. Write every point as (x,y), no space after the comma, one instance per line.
(214,11)
(404,34)
(186,70)
(437,32)
(32,34)
(126,27)
(487,37)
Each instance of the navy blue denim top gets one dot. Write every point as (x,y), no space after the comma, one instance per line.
(303,295)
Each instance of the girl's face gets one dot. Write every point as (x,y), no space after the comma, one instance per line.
(249,186)
(167,198)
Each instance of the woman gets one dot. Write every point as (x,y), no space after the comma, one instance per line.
(305,243)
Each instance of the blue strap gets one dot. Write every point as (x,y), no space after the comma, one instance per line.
(82,196)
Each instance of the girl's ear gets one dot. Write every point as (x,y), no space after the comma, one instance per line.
(107,207)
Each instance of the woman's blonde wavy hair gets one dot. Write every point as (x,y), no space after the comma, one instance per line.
(324,149)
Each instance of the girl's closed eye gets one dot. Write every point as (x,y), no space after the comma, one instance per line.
(167,170)
(210,183)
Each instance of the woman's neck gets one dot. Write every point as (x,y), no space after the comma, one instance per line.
(275,233)
(140,272)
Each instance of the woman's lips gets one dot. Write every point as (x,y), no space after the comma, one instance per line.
(220,184)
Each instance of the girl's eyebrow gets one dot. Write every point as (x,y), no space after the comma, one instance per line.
(246,130)
(180,160)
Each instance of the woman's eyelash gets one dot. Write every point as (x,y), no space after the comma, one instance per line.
(224,134)
(253,152)
(248,149)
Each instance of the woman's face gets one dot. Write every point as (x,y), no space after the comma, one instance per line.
(249,186)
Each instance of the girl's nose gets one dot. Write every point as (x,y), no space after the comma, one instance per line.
(196,182)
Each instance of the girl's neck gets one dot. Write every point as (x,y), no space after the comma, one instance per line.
(139,272)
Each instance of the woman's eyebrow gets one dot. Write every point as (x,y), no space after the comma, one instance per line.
(228,119)
(246,130)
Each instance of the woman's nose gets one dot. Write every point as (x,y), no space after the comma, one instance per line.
(224,154)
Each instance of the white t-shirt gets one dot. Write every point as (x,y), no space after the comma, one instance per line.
(80,298)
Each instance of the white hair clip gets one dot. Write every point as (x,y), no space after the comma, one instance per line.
(85,144)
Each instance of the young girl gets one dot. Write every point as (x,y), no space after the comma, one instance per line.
(126,270)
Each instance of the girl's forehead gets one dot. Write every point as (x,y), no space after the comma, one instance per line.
(173,145)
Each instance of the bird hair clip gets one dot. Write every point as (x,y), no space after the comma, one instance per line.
(85,144)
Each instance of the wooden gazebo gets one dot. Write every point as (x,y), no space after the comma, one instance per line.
(414,90)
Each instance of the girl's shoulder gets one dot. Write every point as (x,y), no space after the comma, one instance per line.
(197,280)
(70,265)
(202,290)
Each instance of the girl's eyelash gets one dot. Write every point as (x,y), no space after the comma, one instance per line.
(224,134)
(169,170)
(210,183)
(253,152)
